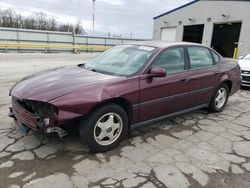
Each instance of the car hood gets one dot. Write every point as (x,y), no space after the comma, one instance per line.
(244,64)
(49,85)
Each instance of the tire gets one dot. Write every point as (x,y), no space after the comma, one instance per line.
(217,105)
(105,128)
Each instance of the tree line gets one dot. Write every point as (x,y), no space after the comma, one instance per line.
(37,21)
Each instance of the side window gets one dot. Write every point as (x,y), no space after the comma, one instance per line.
(172,60)
(199,57)
(216,57)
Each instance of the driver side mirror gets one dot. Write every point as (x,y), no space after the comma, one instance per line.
(157,72)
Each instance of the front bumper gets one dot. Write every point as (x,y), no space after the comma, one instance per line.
(24,118)
(27,121)
(245,78)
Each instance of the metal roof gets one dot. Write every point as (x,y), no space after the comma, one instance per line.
(190,3)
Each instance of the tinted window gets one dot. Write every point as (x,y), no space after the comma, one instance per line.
(172,60)
(199,57)
(216,57)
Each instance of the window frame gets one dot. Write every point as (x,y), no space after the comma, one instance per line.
(216,53)
(188,58)
(170,48)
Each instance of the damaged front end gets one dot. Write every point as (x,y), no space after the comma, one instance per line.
(35,115)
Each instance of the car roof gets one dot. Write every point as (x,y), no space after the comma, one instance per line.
(162,44)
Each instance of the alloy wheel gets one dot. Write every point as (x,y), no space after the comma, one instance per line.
(220,98)
(108,129)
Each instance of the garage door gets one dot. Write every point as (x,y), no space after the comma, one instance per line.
(168,34)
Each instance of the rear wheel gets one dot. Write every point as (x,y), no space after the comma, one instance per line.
(104,128)
(219,100)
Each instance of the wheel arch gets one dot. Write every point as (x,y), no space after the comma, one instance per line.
(122,102)
(229,83)
(225,79)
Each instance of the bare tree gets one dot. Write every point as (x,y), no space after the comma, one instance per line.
(38,21)
(18,23)
(79,29)
(52,25)
(29,23)
(8,18)
(66,28)
(42,21)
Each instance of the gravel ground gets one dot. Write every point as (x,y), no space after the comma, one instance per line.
(193,150)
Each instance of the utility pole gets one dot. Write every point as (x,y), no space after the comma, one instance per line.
(93,15)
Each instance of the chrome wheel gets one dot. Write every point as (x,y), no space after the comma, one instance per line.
(108,129)
(220,98)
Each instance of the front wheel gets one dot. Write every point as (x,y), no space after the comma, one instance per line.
(104,128)
(219,100)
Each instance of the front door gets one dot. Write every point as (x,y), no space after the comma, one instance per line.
(165,95)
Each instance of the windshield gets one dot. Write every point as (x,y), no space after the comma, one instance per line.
(121,60)
(247,57)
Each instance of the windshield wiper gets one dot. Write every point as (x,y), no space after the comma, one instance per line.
(91,69)
(94,70)
(87,68)
(82,65)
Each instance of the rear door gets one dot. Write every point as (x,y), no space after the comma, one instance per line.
(165,95)
(203,75)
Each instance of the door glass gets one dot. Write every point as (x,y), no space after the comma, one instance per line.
(216,57)
(172,60)
(199,57)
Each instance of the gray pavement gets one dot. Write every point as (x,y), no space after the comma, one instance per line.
(197,149)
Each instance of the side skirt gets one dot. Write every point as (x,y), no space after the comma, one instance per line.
(138,125)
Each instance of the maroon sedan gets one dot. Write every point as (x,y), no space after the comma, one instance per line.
(123,88)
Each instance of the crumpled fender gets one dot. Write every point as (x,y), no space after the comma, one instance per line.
(74,105)
(81,102)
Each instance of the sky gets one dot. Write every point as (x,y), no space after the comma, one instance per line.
(119,17)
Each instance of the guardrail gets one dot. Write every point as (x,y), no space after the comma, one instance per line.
(48,46)
(23,40)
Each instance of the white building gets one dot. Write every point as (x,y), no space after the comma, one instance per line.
(223,25)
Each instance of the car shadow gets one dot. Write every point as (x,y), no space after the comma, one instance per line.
(73,143)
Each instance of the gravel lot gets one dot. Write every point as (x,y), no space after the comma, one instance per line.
(193,150)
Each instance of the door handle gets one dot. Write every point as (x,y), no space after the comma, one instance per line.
(144,77)
(216,73)
(184,79)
